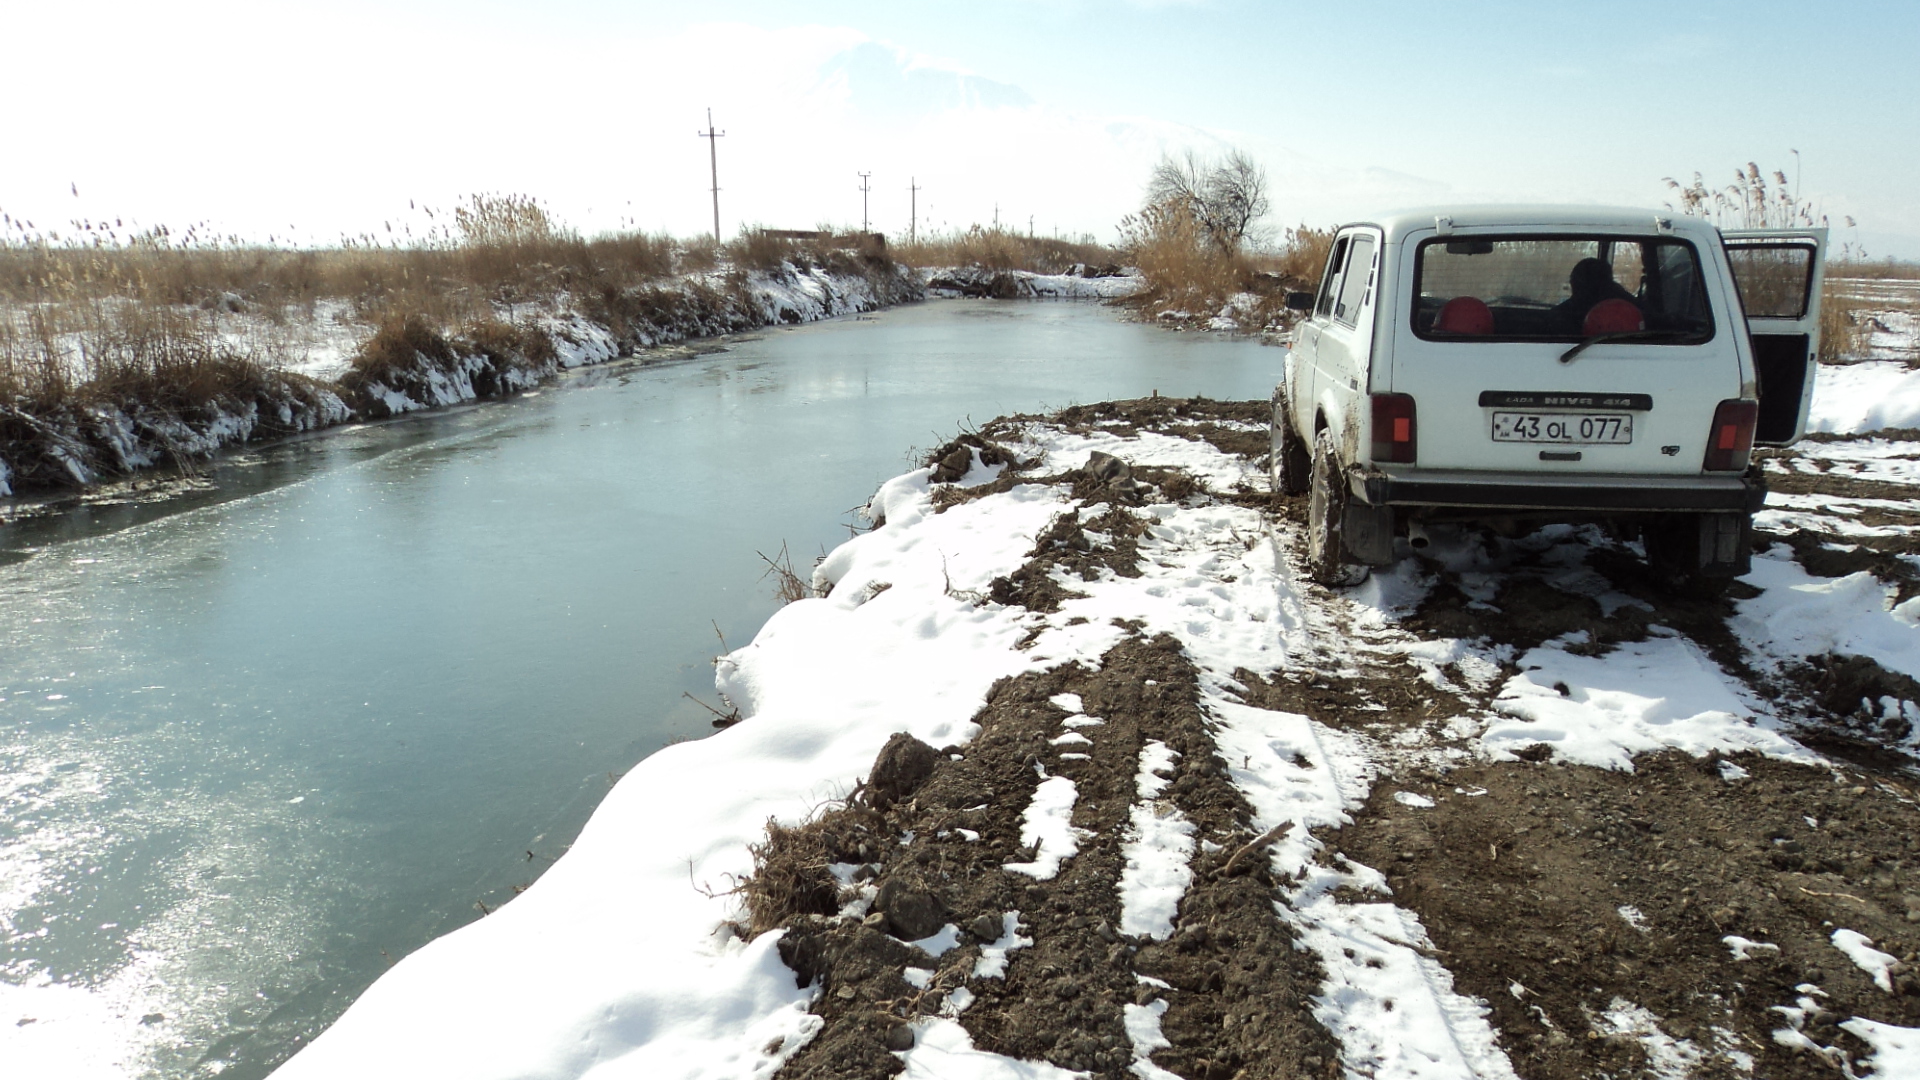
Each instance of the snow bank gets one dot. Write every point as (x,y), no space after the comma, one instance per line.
(979,281)
(1865,396)
(1798,615)
(616,962)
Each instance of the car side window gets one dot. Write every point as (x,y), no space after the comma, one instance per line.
(1331,280)
(1353,287)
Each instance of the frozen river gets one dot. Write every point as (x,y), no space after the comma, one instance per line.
(261,738)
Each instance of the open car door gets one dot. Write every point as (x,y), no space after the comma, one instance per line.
(1780,273)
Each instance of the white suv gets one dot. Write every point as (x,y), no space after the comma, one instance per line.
(1520,365)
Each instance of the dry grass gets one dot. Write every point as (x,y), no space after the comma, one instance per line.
(96,307)
(788,585)
(1001,249)
(1187,271)
(1843,324)
(791,877)
(1874,270)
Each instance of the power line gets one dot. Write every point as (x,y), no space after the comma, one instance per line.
(713,159)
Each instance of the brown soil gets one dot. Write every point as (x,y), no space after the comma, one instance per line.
(1239,986)
(1521,884)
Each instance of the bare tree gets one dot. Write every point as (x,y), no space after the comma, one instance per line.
(1223,197)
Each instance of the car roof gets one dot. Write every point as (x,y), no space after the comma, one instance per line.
(1536,215)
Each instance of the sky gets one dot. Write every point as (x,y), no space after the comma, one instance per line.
(304,122)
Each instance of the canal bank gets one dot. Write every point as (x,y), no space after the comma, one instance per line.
(274,731)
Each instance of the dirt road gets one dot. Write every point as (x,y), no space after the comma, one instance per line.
(1510,809)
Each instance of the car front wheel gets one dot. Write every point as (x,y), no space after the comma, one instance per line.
(1292,466)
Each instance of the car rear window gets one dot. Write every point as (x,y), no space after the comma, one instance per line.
(1560,288)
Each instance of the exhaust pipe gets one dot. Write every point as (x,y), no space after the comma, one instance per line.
(1417,534)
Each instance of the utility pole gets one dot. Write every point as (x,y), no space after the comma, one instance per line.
(864,227)
(713,160)
(1029,226)
(996,216)
(913,211)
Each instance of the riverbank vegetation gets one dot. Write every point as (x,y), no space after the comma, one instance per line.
(999,249)
(1204,255)
(122,349)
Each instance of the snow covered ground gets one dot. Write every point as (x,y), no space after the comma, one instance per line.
(1025,284)
(625,959)
(1878,388)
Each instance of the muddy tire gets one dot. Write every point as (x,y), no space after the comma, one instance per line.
(1327,495)
(1681,553)
(1291,463)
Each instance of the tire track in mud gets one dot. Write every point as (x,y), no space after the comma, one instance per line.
(1601,913)
(1039,969)
(1588,911)
(1237,987)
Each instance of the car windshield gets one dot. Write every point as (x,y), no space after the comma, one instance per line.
(1560,288)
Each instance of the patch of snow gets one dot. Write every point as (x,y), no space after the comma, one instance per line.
(1143,1032)
(1061,451)
(1414,799)
(937,945)
(1668,1058)
(1391,1005)
(1859,948)
(1798,615)
(1644,696)
(993,954)
(1069,703)
(1744,948)
(942,1050)
(1731,772)
(1896,1050)
(1046,826)
(1157,852)
(1633,917)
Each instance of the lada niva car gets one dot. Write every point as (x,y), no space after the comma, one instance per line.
(1516,366)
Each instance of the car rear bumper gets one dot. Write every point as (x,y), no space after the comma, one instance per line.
(1531,491)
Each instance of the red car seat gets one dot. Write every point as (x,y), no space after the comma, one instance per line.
(1464,315)
(1614,316)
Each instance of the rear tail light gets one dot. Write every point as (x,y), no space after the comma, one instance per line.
(1394,429)
(1731,438)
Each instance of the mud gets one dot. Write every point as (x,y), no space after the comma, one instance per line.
(1590,910)
(1237,986)
(1522,890)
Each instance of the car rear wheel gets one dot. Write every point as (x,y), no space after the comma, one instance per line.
(1327,495)
(1698,555)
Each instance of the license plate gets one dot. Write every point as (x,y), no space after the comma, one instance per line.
(1562,427)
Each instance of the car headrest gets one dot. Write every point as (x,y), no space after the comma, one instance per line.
(1615,316)
(1464,315)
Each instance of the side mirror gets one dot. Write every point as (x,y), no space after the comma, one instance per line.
(1299,301)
